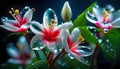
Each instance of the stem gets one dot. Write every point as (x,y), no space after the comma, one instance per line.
(94,55)
(54,60)
(36,53)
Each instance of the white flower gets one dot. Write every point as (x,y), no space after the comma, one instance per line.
(104,18)
(48,33)
(20,55)
(21,23)
(72,47)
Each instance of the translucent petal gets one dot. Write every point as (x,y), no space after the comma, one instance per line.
(116,15)
(28,15)
(116,23)
(10,28)
(36,43)
(49,18)
(12,51)
(22,43)
(36,27)
(14,61)
(81,59)
(91,17)
(84,51)
(98,12)
(75,35)
(66,25)
(9,22)
(55,47)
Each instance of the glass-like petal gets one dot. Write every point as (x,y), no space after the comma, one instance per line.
(28,15)
(8,27)
(12,51)
(75,35)
(14,61)
(91,17)
(36,27)
(22,43)
(55,47)
(116,23)
(66,25)
(84,51)
(36,43)
(116,15)
(49,18)
(98,12)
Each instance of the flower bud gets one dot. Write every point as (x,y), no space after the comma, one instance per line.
(66,12)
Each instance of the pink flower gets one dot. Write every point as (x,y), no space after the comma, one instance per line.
(20,55)
(21,23)
(48,33)
(104,18)
(72,45)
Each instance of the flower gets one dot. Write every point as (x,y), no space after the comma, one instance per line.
(104,18)
(66,12)
(72,45)
(20,54)
(21,23)
(48,33)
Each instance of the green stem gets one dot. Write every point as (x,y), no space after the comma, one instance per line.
(94,55)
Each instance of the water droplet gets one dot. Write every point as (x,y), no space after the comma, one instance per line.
(111,50)
(100,41)
(105,30)
(4,19)
(71,57)
(107,40)
(24,10)
(49,17)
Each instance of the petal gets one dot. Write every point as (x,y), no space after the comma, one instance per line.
(75,35)
(116,23)
(8,27)
(116,15)
(64,40)
(82,60)
(23,45)
(66,25)
(28,16)
(84,51)
(55,47)
(36,27)
(91,17)
(36,42)
(14,61)
(12,51)
(98,12)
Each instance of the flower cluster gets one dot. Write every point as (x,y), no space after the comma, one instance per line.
(57,38)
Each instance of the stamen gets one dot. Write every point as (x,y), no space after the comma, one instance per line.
(81,39)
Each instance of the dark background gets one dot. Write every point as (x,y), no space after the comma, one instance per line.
(77,6)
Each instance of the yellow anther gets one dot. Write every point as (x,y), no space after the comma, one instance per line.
(81,39)
(17,12)
(10,12)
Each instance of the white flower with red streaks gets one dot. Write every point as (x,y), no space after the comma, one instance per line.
(104,18)
(20,55)
(48,33)
(21,22)
(72,45)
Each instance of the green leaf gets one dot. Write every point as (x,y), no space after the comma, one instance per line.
(42,64)
(111,45)
(81,19)
(88,36)
(9,66)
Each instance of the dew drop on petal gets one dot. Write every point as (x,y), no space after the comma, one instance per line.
(3,19)
(24,10)
(49,17)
